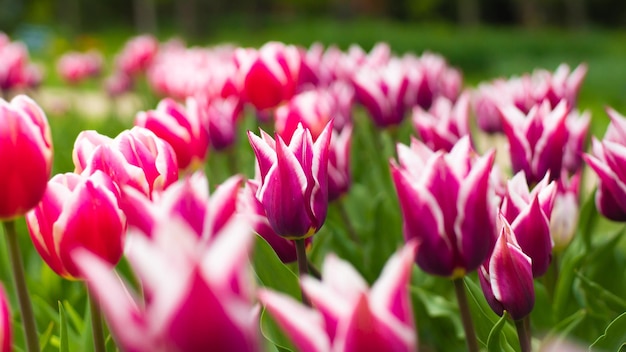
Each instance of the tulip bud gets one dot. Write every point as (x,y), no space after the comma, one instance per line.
(506,277)
(294,181)
(77,212)
(26,156)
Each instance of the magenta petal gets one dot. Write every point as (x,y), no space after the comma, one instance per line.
(485,284)
(224,203)
(532,231)
(265,153)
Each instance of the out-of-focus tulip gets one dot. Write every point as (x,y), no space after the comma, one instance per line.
(188,201)
(294,181)
(137,55)
(77,212)
(448,204)
(565,211)
(271,74)
(506,277)
(577,128)
(382,91)
(117,84)
(197,296)
(348,315)
(608,160)
(221,116)
(6,339)
(560,85)
(182,128)
(536,140)
(444,123)
(339,175)
(75,67)
(529,213)
(26,152)
(251,208)
(313,109)
(430,77)
(136,157)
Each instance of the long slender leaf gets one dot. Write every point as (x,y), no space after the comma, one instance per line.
(614,337)
(64,343)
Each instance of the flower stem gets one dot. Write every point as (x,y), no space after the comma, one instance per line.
(303,265)
(346,220)
(28,318)
(315,272)
(523,333)
(96,324)
(466,317)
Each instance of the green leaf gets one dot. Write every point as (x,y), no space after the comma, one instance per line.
(494,343)
(274,334)
(565,326)
(44,338)
(600,294)
(614,337)
(64,340)
(75,318)
(271,272)
(439,307)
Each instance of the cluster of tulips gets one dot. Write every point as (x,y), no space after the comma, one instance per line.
(143,195)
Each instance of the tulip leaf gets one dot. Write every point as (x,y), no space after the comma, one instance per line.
(437,306)
(271,272)
(600,295)
(614,337)
(44,338)
(494,343)
(273,333)
(63,333)
(565,326)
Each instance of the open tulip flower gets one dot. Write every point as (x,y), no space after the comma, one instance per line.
(294,181)
(506,277)
(136,157)
(77,211)
(26,152)
(444,123)
(607,161)
(347,315)
(448,204)
(197,296)
(536,139)
(529,215)
(188,201)
(180,126)
(313,109)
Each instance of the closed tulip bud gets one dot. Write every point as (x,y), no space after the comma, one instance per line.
(506,278)
(607,160)
(181,127)
(77,212)
(448,204)
(26,153)
(294,181)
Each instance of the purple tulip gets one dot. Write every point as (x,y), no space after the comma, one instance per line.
(506,277)
(529,215)
(339,176)
(448,203)
(294,181)
(444,123)
(348,315)
(197,296)
(536,140)
(608,160)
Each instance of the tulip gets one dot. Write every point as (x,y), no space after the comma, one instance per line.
(529,213)
(448,205)
(75,67)
(26,153)
(313,109)
(221,116)
(607,161)
(444,123)
(187,201)
(349,316)
(6,343)
(137,55)
(294,181)
(252,209)
(136,157)
(559,85)
(536,140)
(565,211)
(339,175)
(197,296)
(430,77)
(577,127)
(77,212)
(271,74)
(506,277)
(181,127)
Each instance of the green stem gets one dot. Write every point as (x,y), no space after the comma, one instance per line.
(346,220)
(551,277)
(96,324)
(466,317)
(314,271)
(232,160)
(303,265)
(26,308)
(523,333)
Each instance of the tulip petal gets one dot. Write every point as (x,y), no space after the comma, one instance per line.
(532,231)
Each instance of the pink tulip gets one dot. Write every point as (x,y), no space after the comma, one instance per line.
(75,67)
(197,296)
(26,152)
(313,109)
(77,212)
(444,123)
(136,157)
(181,127)
(137,55)
(349,316)
(221,116)
(339,175)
